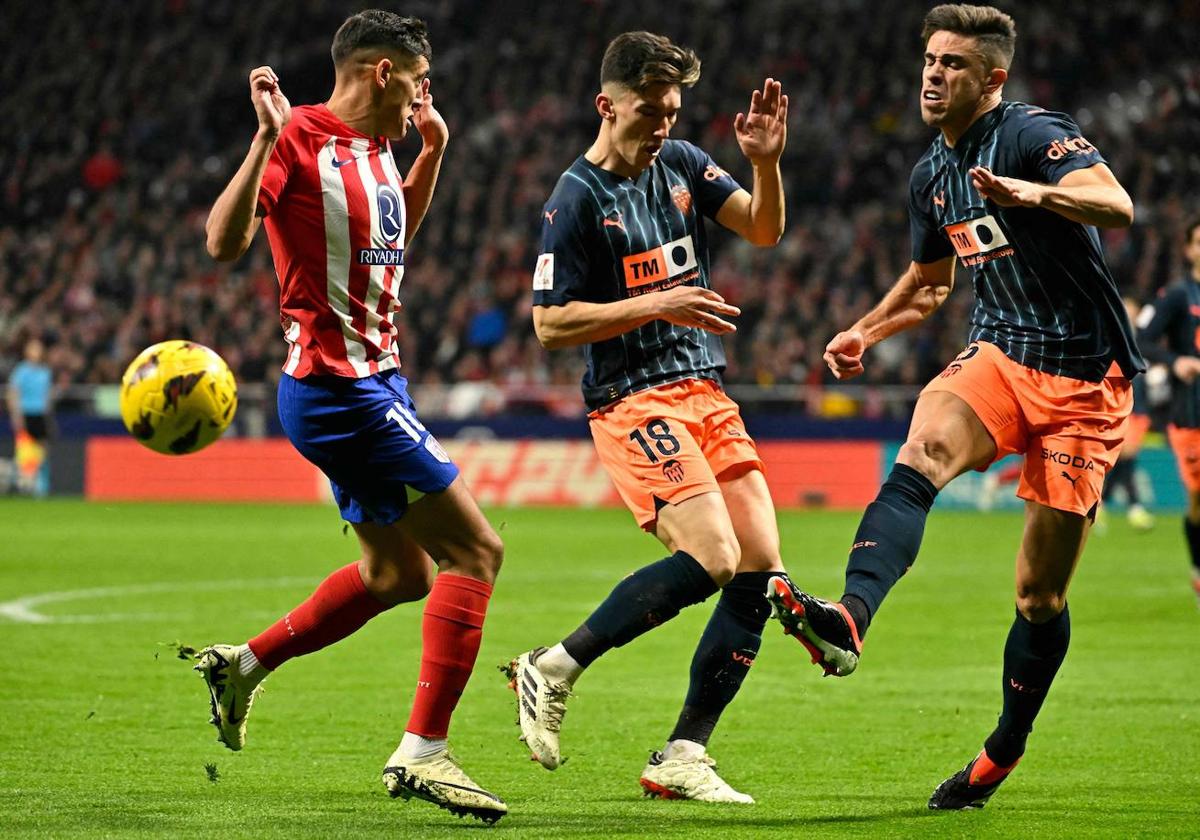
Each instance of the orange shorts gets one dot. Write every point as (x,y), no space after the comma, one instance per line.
(664,445)
(1185,443)
(1069,430)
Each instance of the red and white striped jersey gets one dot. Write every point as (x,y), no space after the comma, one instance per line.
(334,207)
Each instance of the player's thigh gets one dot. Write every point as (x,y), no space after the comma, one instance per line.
(1051,545)
(752,514)
(946,438)
(450,526)
(1193,509)
(1139,425)
(965,418)
(701,526)
(393,566)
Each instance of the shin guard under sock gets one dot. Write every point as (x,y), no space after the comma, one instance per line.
(649,597)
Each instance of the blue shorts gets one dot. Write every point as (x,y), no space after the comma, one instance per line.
(365,436)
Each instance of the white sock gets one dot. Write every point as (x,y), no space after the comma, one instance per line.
(683,750)
(558,665)
(248,664)
(416,746)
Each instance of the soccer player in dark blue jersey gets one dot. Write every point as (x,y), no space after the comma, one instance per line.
(623,272)
(1171,335)
(1013,194)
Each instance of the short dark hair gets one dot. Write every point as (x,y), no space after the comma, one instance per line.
(377,29)
(637,60)
(1190,230)
(995,31)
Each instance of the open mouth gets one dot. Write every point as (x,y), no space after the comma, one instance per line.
(931,96)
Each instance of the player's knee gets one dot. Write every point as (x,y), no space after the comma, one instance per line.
(720,557)
(1038,605)
(931,455)
(480,557)
(394,583)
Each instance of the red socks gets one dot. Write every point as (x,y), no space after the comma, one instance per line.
(451,631)
(338,607)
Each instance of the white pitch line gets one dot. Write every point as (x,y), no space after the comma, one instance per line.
(25,610)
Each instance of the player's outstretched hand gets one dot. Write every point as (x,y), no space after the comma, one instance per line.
(1186,368)
(844,354)
(273,109)
(428,122)
(1007,192)
(762,131)
(692,306)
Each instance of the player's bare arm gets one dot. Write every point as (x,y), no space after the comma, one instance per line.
(232,222)
(580,322)
(758,216)
(422,177)
(1091,196)
(915,296)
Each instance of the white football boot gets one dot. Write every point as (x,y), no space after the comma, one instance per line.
(439,779)
(230,693)
(1139,518)
(690,778)
(541,705)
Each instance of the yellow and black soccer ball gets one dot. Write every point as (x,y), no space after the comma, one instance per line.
(177,397)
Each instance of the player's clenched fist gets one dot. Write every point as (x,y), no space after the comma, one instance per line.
(693,306)
(844,353)
(272,107)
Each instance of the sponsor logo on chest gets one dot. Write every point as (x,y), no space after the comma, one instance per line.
(978,241)
(667,265)
(356,172)
(390,215)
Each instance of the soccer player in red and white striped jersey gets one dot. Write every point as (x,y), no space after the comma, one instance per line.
(339,216)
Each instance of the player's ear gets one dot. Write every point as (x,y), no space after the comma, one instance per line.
(383,72)
(995,80)
(604,105)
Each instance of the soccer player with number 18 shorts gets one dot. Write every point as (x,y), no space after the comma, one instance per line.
(1014,193)
(623,271)
(339,217)
(1170,334)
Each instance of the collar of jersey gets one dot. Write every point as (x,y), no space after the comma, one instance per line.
(342,129)
(620,179)
(977,129)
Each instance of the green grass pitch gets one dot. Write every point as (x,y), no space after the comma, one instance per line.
(105,732)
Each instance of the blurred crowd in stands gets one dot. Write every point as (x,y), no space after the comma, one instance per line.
(126,120)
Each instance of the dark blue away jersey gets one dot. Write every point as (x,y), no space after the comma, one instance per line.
(606,237)
(1170,328)
(1043,293)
